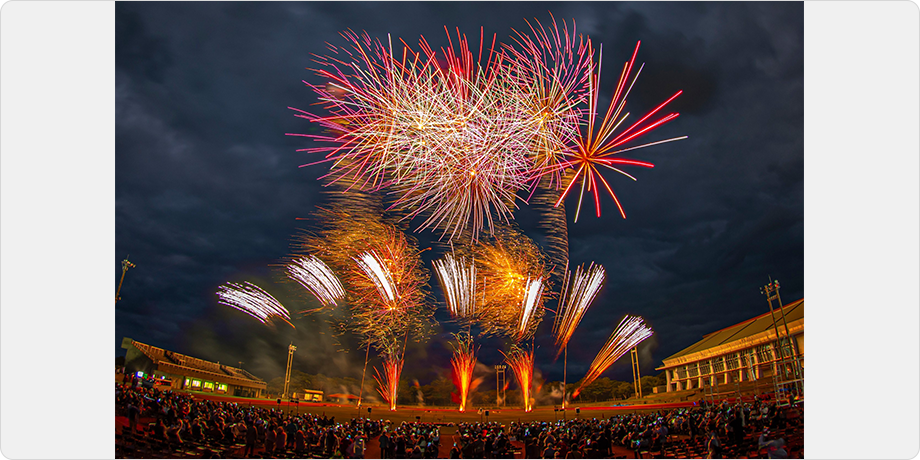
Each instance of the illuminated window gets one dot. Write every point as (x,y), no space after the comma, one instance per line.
(188,382)
(222,386)
(208,385)
(196,383)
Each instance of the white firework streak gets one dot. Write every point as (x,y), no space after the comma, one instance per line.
(377,271)
(532,294)
(253,300)
(628,334)
(458,279)
(577,296)
(314,275)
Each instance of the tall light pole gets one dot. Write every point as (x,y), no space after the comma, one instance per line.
(125,265)
(287,373)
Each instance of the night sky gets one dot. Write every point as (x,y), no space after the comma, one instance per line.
(208,188)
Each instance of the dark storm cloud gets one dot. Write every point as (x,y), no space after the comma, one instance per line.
(208,188)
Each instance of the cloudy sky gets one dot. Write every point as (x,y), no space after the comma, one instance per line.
(208,188)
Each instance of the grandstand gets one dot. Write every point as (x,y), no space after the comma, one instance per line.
(743,358)
(189,373)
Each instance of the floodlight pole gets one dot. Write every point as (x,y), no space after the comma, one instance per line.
(125,265)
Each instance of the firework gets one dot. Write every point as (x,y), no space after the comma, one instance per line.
(458,280)
(554,67)
(388,384)
(600,145)
(510,275)
(630,332)
(463,363)
(381,269)
(253,300)
(578,291)
(521,362)
(315,276)
(452,136)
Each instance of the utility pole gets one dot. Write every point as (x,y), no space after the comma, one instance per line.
(287,373)
(634,355)
(125,265)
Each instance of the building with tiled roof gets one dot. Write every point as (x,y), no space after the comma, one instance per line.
(189,373)
(745,352)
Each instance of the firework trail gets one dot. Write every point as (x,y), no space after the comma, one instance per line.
(600,145)
(388,384)
(578,291)
(630,332)
(315,276)
(253,300)
(521,363)
(555,228)
(463,363)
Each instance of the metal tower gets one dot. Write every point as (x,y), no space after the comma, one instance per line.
(634,355)
(287,373)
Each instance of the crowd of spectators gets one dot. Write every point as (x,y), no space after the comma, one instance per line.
(178,418)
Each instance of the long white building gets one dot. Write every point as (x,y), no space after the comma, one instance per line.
(745,352)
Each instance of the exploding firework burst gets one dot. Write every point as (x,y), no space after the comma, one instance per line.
(463,363)
(600,145)
(388,384)
(554,67)
(578,291)
(315,276)
(630,332)
(253,300)
(521,363)
(511,279)
(380,267)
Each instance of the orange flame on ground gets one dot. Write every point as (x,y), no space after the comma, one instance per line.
(389,383)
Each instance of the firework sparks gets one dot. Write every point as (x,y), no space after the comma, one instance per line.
(554,67)
(458,280)
(598,147)
(521,362)
(463,363)
(630,332)
(253,300)
(315,276)
(388,384)
(456,135)
(578,292)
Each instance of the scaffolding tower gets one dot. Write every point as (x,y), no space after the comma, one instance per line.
(634,356)
(500,384)
(788,374)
